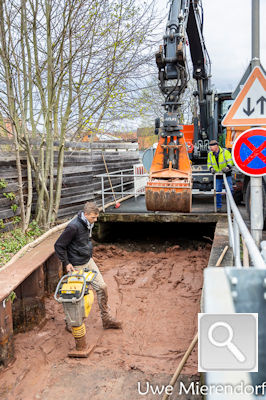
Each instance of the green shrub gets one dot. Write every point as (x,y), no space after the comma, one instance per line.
(12,242)
(3,183)
(10,196)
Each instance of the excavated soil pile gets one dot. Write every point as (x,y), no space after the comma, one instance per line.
(155,293)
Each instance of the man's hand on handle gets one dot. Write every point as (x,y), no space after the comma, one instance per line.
(70,268)
(212,170)
(226,169)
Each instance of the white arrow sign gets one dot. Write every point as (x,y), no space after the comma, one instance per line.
(249,107)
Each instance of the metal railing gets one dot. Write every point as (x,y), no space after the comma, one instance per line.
(125,187)
(121,188)
(237,228)
(236,225)
(212,192)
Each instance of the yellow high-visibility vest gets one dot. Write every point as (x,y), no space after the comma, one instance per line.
(224,159)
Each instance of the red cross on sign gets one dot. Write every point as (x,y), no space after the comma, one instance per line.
(249,152)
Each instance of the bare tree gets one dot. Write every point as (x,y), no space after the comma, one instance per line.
(124,54)
(67,65)
(6,43)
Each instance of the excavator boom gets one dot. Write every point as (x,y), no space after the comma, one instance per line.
(170,184)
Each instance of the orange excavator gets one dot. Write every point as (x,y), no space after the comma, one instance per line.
(180,161)
(170,184)
(181,156)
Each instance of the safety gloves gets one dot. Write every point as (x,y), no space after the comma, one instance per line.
(226,169)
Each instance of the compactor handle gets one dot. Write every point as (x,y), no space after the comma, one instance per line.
(73,300)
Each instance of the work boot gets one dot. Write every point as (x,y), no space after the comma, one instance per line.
(107,320)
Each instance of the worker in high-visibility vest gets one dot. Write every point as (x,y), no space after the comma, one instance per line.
(220,161)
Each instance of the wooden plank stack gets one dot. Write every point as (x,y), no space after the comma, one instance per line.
(82,162)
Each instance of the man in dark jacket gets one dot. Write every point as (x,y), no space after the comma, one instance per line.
(74,249)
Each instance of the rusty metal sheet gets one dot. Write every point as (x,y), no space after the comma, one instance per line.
(6,333)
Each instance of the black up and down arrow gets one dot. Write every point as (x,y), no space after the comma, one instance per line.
(250,110)
(261,100)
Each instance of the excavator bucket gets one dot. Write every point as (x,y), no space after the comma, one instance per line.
(169,195)
(170,189)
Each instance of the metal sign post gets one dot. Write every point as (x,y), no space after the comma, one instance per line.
(256,192)
(249,109)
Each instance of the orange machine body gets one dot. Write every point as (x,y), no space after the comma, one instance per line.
(232,133)
(170,189)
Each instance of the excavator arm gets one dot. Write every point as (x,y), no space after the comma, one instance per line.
(185,23)
(170,185)
(201,71)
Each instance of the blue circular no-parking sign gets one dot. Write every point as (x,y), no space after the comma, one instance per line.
(249,152)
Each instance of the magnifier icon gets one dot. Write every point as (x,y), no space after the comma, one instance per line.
(225,343)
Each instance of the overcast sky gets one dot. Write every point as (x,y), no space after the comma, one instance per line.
(227,33)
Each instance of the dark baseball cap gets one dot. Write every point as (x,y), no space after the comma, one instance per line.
(213,143)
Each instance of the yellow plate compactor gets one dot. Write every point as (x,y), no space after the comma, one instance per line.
(77,299)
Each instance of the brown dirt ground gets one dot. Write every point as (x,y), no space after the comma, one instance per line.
(156,295)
